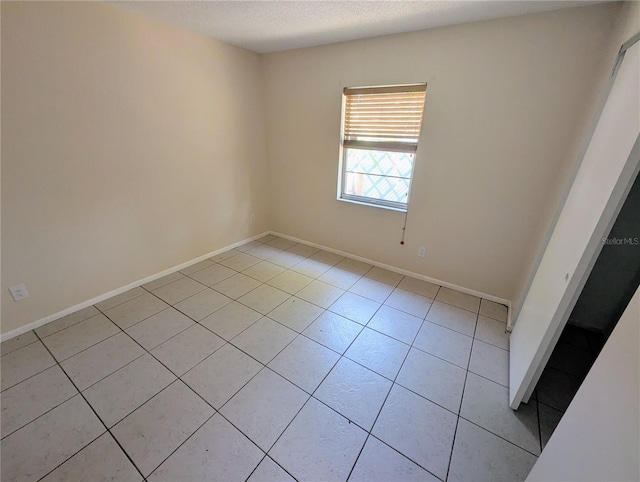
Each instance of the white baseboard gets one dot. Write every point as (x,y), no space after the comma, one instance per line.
(117,291)
(102,297)
(446,284)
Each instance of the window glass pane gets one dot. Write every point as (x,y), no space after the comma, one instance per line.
(365,161)
(377,187)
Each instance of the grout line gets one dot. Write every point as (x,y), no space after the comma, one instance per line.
(464,386)
(539,424)
(263,365)
(97,416)
(389,392)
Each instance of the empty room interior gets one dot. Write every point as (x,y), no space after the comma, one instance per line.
(320,241)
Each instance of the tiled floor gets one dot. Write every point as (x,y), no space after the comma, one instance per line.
(273,361)
(571,360)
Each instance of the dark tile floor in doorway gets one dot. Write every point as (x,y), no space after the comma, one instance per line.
(567,368)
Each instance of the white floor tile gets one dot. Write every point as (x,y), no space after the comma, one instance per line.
(290,281)
(380,463)
(28,400)
(264,339)
(99,460)
(263,408)
(417,428)
(333,331)
(264,271)
(486,404)
(419,287)
(384,276)
(296,314)
(481,455)
(202,304)
(456,319)
(311,268)
(408,302)
(355,266)
(119,299)
(231,320)
(21,341)
(21,364)
(231,252)
(493,310)
(355,308)
(217,451)
(65,322)
(298,321)
(36,449)
(304,363)
(269,471)
(221,375)
(319,293)
(327,257)
(212,275)
(340,278)
(131,312)
(434,379)
(396,324)
(490,362)
(264,251)
(240,261)
(116,396)
(159,328)
(372,289)
(286,259)
(281,243)
(319,444)
(72,340)
(236,286)
(95,363)
(303,250)
(243,248)
(264,298)
(444,343)
(178,290)
(459,299)
(378,352)
(165,280)
(188,348)
(493,332)
(148,442)
(355,392)
(197,267)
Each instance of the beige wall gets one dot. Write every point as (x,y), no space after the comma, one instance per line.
(626,24)
(128,147)
(506,102)
(598,438)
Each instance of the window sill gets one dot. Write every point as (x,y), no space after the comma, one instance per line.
(373,205)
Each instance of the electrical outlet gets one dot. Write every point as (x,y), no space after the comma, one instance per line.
(422,250)
(19,292)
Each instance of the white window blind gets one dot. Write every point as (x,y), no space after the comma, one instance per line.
(380,132)
(389,117)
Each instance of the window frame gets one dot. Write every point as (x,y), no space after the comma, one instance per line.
(376,146)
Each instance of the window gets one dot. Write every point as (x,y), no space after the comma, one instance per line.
(379,138)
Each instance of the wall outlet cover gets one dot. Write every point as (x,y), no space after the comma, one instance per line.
(19,292)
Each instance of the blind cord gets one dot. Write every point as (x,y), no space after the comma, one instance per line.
(404,228)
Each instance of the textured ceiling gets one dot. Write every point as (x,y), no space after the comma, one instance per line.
(271,26)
